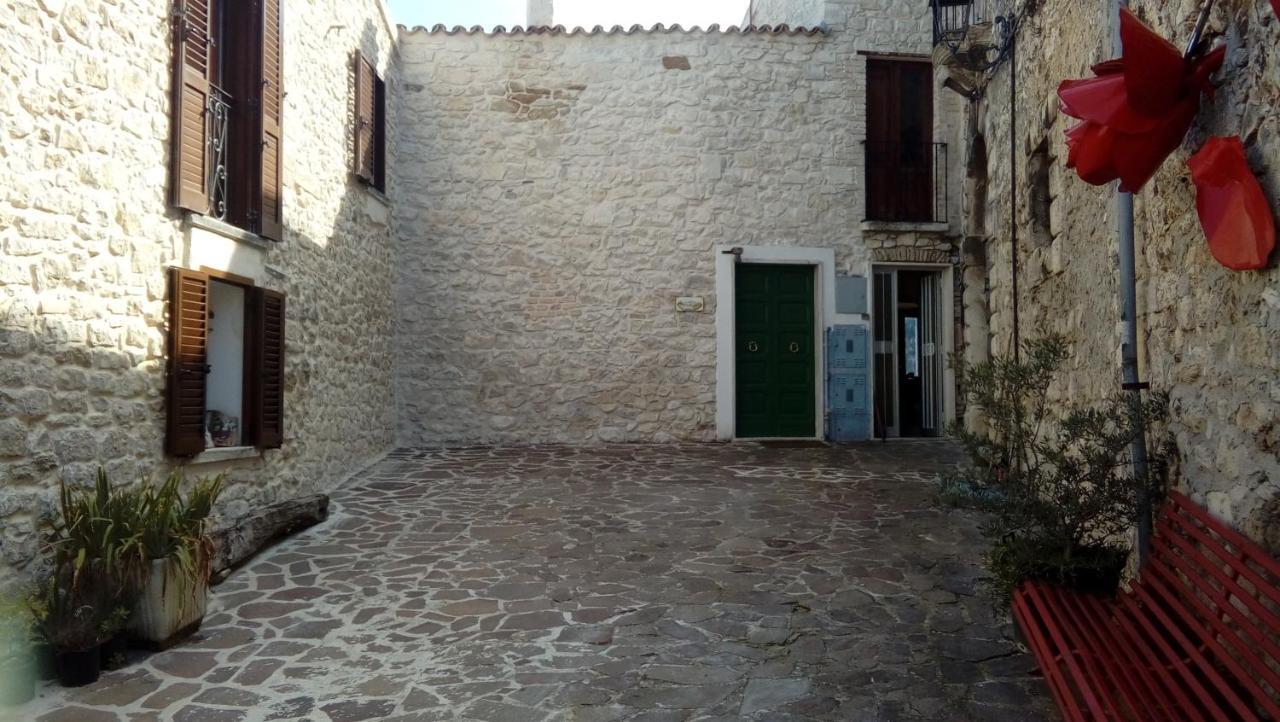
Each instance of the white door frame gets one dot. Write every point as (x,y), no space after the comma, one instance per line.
(824,306)
(947,271)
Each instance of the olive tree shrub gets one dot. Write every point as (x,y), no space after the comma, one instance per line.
(1057,479)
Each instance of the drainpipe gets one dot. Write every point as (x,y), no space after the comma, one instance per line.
(1129,315)
(1013,178)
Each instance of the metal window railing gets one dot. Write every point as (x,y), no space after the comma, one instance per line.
(906,182)
(953,18)
(218,118)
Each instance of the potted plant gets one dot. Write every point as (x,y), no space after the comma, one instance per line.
(17,654)
(75,608)
(177,553)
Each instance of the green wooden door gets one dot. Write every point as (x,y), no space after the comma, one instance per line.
(774,350)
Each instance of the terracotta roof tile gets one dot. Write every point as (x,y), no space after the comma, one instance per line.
(658,29)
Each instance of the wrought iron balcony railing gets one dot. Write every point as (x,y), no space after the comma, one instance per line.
(953,18)
(218,118)
(906,182)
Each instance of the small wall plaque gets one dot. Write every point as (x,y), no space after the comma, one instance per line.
(690,304)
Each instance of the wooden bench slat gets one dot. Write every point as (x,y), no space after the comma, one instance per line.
(1196,637)
(1091,623)
(1246,546)
(1167,605)
(1035,628)
(1239,562)
(1157,573)
(1142,690)
(1232,589)
(1132,636)
(1095,658)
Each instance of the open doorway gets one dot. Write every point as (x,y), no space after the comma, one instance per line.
(909,352)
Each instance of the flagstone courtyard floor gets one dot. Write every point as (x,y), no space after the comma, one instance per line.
(655,583)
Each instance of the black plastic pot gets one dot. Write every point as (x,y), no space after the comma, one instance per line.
(78,668)
(45,657)
(115,652)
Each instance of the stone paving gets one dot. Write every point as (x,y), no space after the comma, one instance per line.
(642,583)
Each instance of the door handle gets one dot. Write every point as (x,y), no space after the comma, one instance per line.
(752,346)
(794,347)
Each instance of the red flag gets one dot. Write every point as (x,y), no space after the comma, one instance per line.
(1136,109)
(1233,210)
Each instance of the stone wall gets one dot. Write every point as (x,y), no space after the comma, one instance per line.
(1208,336)
(558,193)
(86,237)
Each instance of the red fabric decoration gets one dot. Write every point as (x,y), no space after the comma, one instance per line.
(1232,208)
(1137,109)
(1275,5)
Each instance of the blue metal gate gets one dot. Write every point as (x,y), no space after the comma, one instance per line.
(848,411)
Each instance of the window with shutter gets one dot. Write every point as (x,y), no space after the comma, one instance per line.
(226,363)
(193,65)
(268,372)
(271,218)
(366,122)
(227,145)
(188,360)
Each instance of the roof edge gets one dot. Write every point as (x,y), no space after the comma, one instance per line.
(600,30)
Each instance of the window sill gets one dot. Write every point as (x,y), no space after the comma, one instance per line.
(906,226)
(225,453)
(227,230)
(376,194)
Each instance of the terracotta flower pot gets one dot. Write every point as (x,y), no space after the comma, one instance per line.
(171,606)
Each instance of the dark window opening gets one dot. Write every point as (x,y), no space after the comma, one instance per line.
(1040,200)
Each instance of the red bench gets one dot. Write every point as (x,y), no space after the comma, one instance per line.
(1196,637)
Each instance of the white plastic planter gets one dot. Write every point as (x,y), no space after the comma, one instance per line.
(171,606)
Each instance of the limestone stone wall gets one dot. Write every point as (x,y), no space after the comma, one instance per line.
(86,236)
(1209,336)
(558,193)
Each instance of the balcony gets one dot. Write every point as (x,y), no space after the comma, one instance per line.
(906,182)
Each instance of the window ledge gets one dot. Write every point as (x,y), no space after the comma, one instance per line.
(225,453)
(906,227)
(227,230)
(377,195)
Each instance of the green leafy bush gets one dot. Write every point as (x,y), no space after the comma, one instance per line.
(1058,482)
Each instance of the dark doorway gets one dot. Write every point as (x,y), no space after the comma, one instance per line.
(909,352)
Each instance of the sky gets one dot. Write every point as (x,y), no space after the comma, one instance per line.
(569,12)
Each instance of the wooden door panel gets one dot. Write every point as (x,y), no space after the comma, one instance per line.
(775,350)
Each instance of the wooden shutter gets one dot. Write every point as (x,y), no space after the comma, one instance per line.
(271,206)
(366,120)
(268,368)
(899,151)
(193,64)
(188,360)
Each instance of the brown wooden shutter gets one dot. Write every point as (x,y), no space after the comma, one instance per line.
(366,120)
(188,360)
(193,64)
(268,370)
(272,207)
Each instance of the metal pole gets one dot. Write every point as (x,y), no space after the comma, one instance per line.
(1129,315)
(1013,178)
